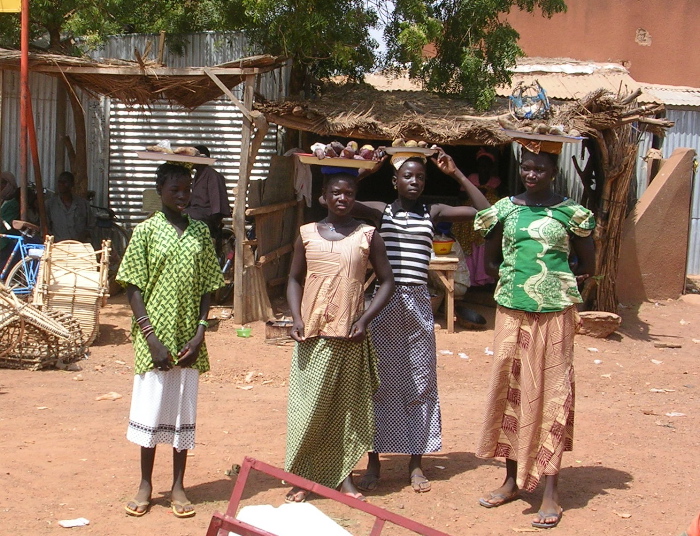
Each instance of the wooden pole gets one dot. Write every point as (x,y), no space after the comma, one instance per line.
(23,107)
(43,221)
(241,192)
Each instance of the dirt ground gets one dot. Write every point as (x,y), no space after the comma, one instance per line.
(632,470)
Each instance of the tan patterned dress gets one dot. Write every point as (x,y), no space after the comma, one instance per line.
(530,403)
(330,417)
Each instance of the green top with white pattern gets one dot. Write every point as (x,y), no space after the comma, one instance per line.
(172,272)
(535,275)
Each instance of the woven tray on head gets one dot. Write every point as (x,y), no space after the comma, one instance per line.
(74,281)
(39,349)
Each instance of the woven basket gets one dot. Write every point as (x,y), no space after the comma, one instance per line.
(32,339)
(73,280)
(39,349)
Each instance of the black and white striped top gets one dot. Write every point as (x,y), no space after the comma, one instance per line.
(409,242)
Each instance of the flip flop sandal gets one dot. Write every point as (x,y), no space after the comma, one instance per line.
(368,482)
(183,512)
(416,482)
(134,511)
(544,515)
(501,499)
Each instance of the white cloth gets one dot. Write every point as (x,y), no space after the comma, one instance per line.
(164,408)
(293,519)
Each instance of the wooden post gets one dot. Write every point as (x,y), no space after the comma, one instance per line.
(240,202)
(23,108)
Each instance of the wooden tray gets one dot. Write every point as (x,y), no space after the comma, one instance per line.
(542,137)
(337,162)
(420,151)
(151,155)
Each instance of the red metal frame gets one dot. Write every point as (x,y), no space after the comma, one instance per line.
(228,522)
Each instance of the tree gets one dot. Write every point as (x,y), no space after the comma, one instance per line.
(474,48)
(322,38)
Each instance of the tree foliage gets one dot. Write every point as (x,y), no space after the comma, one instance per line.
(472,47)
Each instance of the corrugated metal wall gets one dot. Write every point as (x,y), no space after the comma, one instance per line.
(686,133)
(201,49)
(115,132)
(216,124)
(43,91)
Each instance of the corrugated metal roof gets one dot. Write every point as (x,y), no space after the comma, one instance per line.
(674,95)
(565,79)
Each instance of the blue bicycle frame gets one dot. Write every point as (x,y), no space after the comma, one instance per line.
(20,273)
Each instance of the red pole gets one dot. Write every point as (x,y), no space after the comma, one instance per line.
(23,107)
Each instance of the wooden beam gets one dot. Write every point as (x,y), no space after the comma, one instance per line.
(274,255)
(148,71)
(245,110)
(239,205)
(270,208)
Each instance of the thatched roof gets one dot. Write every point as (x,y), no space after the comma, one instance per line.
(364,112)
(361,111)
(143,82)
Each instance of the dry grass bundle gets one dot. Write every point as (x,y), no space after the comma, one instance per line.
(139,82)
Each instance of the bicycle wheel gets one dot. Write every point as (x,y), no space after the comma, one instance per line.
(22,277)
(228,245)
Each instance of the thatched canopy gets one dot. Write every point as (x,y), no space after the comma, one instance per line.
(361,111)
(143,82)
(364,112)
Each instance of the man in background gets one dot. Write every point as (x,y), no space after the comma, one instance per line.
(70,217)
(209,200)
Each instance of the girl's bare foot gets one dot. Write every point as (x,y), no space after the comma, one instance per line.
(296,495)
(349,489)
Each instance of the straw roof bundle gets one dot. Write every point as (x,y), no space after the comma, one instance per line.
(140,82)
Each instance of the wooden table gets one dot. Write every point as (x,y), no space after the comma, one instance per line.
(444,267)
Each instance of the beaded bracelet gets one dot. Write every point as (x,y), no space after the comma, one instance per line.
(203,323)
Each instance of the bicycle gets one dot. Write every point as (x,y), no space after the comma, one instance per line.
(22,267)
(107,228)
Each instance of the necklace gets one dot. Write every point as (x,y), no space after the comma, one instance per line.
(546,202)
(333,227)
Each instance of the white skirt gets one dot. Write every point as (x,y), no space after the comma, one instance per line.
(164,408)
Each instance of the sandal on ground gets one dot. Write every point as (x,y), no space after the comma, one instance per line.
(296,495)
(182,509)
(368,482)
(132,508)
(544,515)
(357,496)
(420,483)
(498,499)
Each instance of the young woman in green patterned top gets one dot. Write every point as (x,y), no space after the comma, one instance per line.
(169,270)
(530,407)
